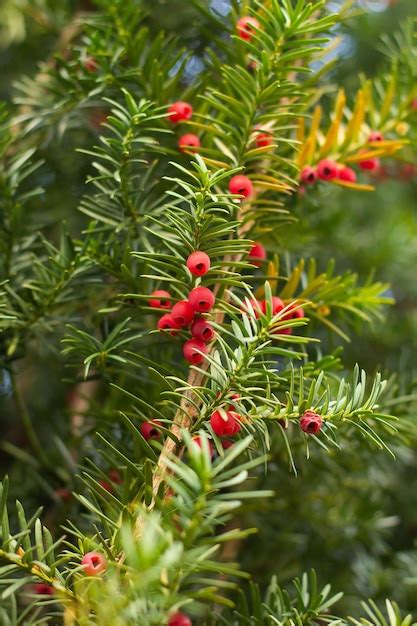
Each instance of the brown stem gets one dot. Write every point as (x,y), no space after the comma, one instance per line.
(187,411)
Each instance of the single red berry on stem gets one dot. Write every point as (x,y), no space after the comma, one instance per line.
(189,142)
(225,423)
(94,563)
(167,323)
(115,477)
(91,64)
(194,351)
(347,174)
(241,185)
(106,485)
(257,254)
(43,589)
(311,423)
(370,164)
(182,313)
(293,312)
(327,169)
(160,299)
(277,305)
(264,139)
(246,27)
(198,442)
(148,430)
(63,493)
(308,175)
(198,263)
(202,330)
(201,299)
(376,136)
(179,111)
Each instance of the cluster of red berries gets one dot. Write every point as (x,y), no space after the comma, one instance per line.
(179,112)
(186,313)
(293,312)
(226,422)
(311,423)
(327,169)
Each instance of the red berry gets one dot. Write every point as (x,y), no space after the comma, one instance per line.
(179,111)
(241,185)
(148,430)
(327,169)
(347,174)
(277,305)
(160,299)
(226,444)
(189,142)
(194,351)
(201,299)
(202,330)
(369,164)
(94,563)
(115,477)
(63,493)
(225,423)
(290,314)
(182,313)
(90,64)
(414,104)
(198,263)
(43,589)
(257,254)
(107,486)
(293,313)
(311,423)
(263,140)
(246,27)
(376,136)
(308,175)
(167,323)
(199,443)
